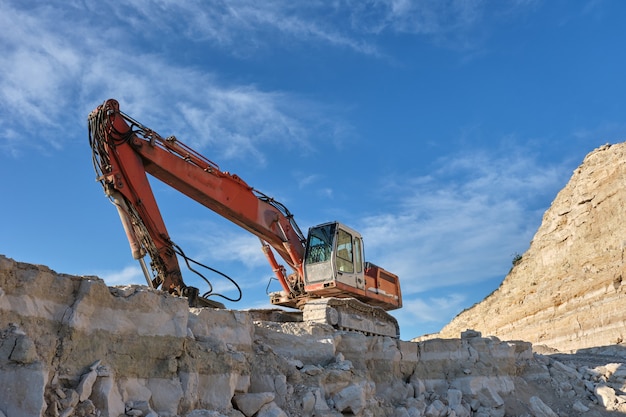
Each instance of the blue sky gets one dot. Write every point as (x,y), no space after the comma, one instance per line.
(442,130)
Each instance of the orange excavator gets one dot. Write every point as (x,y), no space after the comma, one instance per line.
(328,280)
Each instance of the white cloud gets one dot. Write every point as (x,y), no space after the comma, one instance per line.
(245,27)
(457,227)
(225,243)
(307,180)
(431,309)
(128,275)
(61,59)
(241,119)
(420,17)
(54,78)
(39,67)
(456,24)
(463,223)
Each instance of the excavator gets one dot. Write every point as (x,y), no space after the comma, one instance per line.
(328,280)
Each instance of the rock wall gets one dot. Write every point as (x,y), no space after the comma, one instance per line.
(567,291)
(71,346)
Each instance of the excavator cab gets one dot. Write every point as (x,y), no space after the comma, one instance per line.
(334,267)
(334,255)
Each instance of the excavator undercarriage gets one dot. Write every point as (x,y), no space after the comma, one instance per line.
(346,314)
(352,315)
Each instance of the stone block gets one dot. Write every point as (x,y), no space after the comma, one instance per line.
(24,350)
(217,326)
(167,394)
(351,399)
(308,348)
(216,391)
(107,398)
(22,390)
(139,312)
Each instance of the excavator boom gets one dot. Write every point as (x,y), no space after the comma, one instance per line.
(125,151)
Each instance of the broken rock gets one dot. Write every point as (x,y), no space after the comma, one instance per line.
(540,409)
(249,404)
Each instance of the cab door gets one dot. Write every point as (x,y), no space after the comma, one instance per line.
(349,258)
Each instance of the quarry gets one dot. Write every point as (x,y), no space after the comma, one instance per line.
(548,342)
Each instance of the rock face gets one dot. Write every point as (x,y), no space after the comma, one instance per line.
(71,346)
(567,290)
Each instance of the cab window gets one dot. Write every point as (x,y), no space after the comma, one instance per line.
(357,255)
(320,244)
(345,255)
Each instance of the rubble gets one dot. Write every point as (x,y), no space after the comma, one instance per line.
(83,349)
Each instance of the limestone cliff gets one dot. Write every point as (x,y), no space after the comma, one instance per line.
(567,290)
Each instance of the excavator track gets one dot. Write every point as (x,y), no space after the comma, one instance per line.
(351,314)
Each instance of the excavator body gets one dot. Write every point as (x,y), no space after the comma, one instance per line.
(330,281)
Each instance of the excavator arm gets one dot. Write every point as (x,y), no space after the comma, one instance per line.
(124,152)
